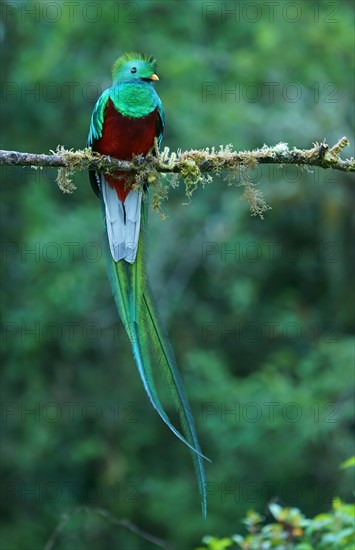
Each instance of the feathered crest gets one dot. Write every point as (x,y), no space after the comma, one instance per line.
(132,56)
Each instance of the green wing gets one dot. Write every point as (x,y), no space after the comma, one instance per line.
(95,132)
(97,118)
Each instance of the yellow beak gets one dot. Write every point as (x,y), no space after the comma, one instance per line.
(154,77)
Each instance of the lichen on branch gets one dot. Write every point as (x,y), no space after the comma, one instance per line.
(195,167)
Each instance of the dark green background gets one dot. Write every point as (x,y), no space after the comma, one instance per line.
(94,439)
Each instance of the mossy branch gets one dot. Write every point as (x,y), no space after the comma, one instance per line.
(206,160)
(194,167)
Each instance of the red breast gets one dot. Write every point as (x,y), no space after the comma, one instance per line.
(122,137)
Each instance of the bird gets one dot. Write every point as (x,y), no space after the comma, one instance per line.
(128,119)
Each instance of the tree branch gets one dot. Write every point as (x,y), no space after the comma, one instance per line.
(107,515)
(206,160)
(193,167)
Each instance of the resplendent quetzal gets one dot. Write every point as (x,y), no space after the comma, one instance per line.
(125,122)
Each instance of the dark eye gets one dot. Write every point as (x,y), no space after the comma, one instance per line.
(133,70)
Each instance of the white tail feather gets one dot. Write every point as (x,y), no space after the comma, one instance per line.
(123,234)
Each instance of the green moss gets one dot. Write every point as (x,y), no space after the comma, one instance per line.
(197,167)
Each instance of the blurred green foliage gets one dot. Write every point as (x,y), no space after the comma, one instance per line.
(260,312)
(330,531)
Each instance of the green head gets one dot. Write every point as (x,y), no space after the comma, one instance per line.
(134,67)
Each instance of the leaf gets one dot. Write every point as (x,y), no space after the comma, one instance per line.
(348,463)
(214,543)
(275,509)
